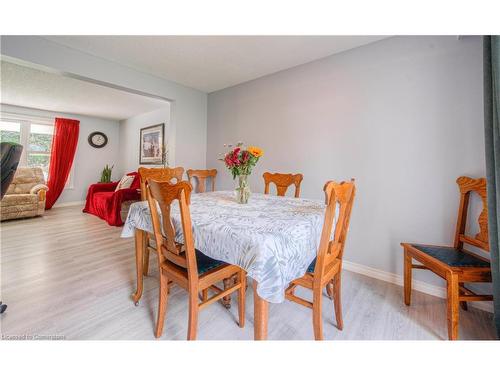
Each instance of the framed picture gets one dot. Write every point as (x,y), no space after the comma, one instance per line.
(151,144)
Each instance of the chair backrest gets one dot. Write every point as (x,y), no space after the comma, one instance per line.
(282,182)
(163,195)
(158,174)
(201,175)
(332,249)
(10,155)
(467,185)
(24,179)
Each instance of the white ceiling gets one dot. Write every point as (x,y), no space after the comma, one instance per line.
(211,63)
(28,87)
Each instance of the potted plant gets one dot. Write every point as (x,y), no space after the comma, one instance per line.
(106,173)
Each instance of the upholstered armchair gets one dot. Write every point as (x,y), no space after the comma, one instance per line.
(110,205)
(25,196)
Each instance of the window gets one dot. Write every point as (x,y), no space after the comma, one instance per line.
(39,146)
(35,134)
(10,131)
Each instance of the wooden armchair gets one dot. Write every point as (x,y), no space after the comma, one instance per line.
(455,264)
(326,268)
(182,264)
(157,174)
(201,176)
(282,182)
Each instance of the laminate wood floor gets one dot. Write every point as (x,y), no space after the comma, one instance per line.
(69,274)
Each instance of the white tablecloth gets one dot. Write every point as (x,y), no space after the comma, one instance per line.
(273,238)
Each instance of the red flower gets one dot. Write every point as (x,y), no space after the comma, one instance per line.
(228,160)
(235,157)
(245,155)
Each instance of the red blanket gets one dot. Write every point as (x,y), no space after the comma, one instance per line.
(104,202)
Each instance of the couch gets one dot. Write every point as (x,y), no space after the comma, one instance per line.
(110,205)
(25,196)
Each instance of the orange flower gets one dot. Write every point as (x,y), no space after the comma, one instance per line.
(255,151)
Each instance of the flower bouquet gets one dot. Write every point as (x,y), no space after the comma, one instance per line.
(240,162)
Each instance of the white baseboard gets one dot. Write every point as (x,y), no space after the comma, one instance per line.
(69,204)
(417,285)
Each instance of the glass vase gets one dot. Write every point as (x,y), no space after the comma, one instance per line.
(242,190)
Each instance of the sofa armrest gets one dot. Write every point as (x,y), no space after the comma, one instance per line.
(103,186)
(35,189)
(96,188)
(41,195)
(40,190)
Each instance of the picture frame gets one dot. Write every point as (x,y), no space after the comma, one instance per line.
(151,144)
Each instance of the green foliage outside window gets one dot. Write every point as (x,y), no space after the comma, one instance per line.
(40,142)
(39,151)
(10,136)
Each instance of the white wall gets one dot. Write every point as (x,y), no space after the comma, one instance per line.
(188,106)
(404,116)
(89,161)
(130,133)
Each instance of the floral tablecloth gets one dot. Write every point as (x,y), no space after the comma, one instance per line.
(273,238)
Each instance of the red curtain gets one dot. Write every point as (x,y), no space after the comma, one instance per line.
(64,144)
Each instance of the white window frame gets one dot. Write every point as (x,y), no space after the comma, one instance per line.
(25,122)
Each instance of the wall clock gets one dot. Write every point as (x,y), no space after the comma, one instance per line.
(98,139)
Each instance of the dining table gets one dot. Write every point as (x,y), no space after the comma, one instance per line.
(274,239)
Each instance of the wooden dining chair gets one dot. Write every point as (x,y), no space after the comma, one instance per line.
(325,270)
(182,264)
(454,263)
(158,174)
(282,182)
(201,176)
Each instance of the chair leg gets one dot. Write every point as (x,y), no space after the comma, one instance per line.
(145,268)
(241,298)
(463,304)
(226,301)
(193,315)
(453,305)
(337,300)
(204,295)
(162,305)
(407,277)
(329,289)
(317,321)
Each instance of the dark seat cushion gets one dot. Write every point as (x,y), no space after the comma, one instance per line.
(205,263)
(451,256)
(311,266)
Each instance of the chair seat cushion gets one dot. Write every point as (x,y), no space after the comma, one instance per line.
(311,266)
(451,256)
(206,263)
